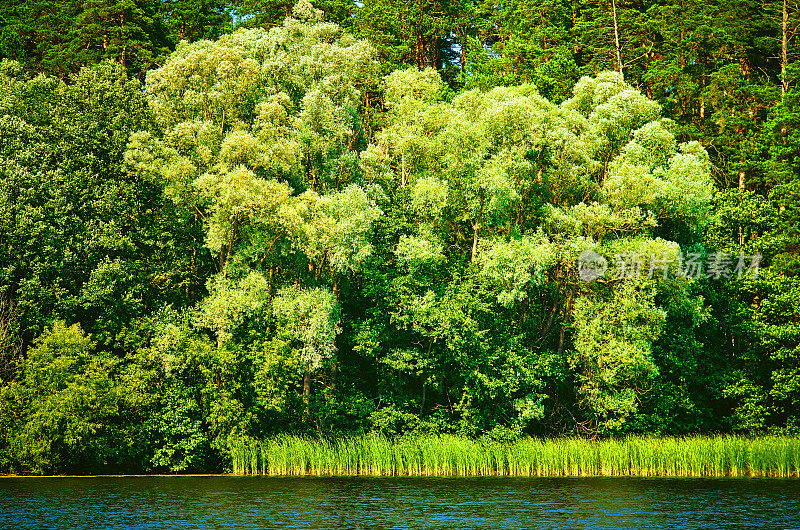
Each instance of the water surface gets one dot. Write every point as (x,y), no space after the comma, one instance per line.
(361,502)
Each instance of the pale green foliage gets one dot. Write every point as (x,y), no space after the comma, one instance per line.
(225,81)
(410,139)
(594,125)
(311,317)
(679,186)
(244,114)
(429,196)
(416,251)
(468,157)
(304,10)
(651,145)
(510,117)
(616,328)
(596,221)
(374,164)
(412,88)
(493,190)
(612,108)
(644,250)
(517,264)
(239,197)
(334,227)
(633,154)
(10,83)
(630,185)
(689,187)
(481,155)
(613,342)
(230,301)
(241,118)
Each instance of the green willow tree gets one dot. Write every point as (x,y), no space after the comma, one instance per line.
(260,136)
(518,186)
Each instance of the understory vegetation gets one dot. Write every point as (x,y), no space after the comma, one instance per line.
(280,239)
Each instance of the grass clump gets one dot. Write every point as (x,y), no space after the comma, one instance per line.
(446,455)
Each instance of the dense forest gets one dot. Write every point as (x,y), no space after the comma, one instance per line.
(222,221)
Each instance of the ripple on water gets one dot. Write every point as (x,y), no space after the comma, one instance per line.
(363,502)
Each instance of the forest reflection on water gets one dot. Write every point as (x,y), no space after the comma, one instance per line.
(397,502)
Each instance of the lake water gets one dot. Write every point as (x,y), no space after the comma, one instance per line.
(359,502)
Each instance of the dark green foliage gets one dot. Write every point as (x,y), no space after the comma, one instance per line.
(412,32)
(192,20)
(61,36)
(84,240)
(268,13)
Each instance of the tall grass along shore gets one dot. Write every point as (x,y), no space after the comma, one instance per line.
(697,456)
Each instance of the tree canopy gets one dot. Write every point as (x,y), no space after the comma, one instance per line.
(226,221)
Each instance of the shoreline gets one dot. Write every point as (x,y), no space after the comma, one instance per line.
(367,476)
(715,456)
(116,475)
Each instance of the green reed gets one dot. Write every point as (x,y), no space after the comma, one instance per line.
(706,456)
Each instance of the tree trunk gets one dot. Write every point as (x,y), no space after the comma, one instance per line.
(419,53)
(616,39)
(464,55)
(271,281)
(306,392)
(741,188)
(784,49)
(10,342)
(334,375)
(124,46)
(475,229)
(683,55)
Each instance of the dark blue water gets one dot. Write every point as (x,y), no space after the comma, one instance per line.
(272,502)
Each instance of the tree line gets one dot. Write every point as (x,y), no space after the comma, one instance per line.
(228,221)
